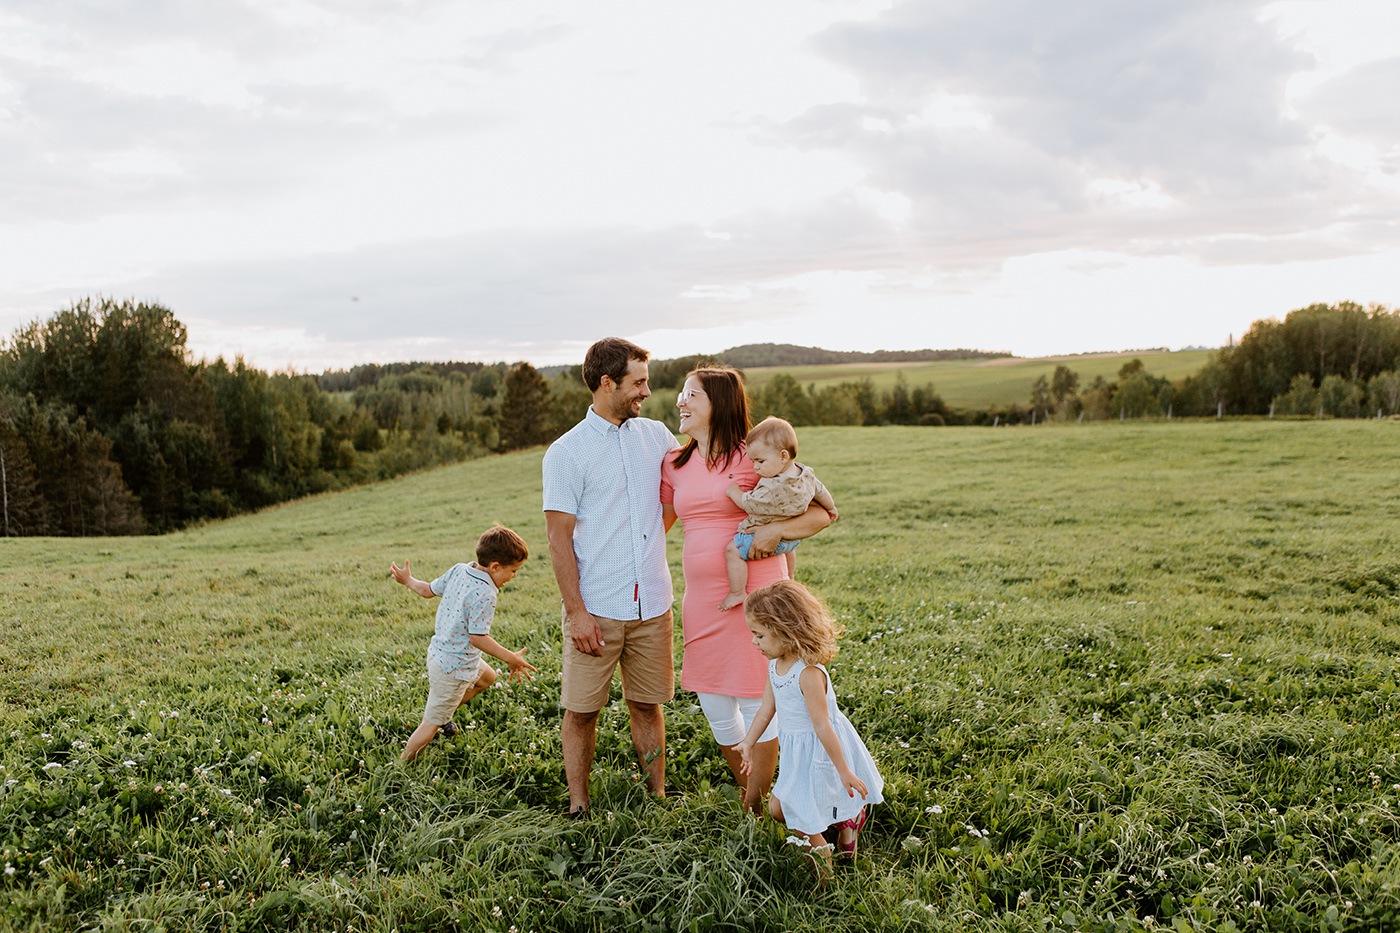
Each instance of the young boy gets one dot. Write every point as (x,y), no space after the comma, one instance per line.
(456,672)
(785,489)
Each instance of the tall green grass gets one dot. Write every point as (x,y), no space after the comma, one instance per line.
(1118,677)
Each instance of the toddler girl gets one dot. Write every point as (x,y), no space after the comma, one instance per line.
(825,774)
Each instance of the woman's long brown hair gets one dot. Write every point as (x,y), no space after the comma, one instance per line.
(729,415)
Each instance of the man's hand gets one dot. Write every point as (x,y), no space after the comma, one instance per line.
(585,633)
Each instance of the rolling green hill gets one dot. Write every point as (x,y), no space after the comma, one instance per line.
(1110,672)
(985,383)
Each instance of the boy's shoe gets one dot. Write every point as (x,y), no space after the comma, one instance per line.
(449,729)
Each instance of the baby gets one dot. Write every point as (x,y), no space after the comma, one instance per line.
(785,489)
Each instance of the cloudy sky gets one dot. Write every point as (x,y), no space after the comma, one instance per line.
(318,184)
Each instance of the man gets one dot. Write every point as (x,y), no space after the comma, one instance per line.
(602,507)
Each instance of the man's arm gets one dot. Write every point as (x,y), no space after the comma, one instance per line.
(583,628)
(767,537)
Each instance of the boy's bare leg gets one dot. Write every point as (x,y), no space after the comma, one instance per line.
(485,677)
(738,572)
(579,737)
(420,737)
(649,738)
(427,731)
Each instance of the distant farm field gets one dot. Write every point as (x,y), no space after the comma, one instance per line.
(1121,676)
(984,383)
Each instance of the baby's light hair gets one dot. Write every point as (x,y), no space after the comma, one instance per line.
(775,433)
(790,611)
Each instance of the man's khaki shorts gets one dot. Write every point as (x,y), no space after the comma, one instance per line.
(641,647)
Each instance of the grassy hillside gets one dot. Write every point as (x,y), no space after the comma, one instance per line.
(1118,677)
(984,383)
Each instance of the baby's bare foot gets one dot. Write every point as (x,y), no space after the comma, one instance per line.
(732,600)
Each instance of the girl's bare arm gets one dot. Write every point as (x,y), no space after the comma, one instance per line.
(813,685)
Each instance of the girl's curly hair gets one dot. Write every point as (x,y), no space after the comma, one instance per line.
(790,611)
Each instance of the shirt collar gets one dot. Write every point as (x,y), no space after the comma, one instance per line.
(481,574)
(599,423)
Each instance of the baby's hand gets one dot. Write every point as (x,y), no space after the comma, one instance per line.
(833,513)
(733,490)
(401,574)
(520,669)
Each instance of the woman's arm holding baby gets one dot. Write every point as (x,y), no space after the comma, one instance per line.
(767,537)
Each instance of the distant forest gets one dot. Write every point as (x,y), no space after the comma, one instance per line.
(757,355)
(107,426)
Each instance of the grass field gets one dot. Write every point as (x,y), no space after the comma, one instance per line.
(984,383)
(1118,677)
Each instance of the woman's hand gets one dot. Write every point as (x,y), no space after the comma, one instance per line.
(766,539)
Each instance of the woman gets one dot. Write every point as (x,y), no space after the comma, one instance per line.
(720,663)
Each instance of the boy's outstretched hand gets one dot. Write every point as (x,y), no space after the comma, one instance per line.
(402,574)
(520,669)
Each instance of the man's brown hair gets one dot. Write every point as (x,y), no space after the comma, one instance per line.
(610,357)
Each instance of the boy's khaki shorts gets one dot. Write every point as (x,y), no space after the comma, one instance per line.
(641,647)
(445,692)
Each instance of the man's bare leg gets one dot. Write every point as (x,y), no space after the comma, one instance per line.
(649,738)
(579,737)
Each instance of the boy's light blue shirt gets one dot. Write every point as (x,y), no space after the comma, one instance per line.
(468,605)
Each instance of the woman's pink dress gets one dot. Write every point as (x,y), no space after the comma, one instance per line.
(719,653)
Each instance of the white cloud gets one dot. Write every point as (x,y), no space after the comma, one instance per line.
(511,179)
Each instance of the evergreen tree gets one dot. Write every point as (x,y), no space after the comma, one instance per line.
(23,509)
(525,408)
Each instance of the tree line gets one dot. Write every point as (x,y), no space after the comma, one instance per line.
(107,426)
(1323,361)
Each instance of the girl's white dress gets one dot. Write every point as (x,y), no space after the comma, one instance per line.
(808,786)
